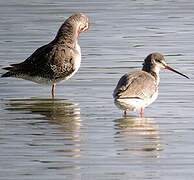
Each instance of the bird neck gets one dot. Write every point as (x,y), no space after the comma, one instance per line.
(68,34)
(153,70)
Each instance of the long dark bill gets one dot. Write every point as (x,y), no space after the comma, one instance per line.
(171,69)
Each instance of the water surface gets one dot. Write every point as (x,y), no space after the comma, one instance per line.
(81,134)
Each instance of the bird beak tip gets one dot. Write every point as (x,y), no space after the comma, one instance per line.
(173,70)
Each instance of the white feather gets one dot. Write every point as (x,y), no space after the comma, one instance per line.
(135,104)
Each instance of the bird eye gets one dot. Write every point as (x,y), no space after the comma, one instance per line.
(159,61)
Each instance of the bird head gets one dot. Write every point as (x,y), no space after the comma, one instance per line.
(156,61)
(72,27)
(80,20)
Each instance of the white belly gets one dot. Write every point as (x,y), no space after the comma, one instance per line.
(134,104)
(77,62)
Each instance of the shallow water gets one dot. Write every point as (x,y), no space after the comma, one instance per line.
(81,134)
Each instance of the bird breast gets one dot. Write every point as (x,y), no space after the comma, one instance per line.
(76,61)
(77,58)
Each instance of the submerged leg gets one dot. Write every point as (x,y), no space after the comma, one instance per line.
(142,112)
(124,113)
(53,90)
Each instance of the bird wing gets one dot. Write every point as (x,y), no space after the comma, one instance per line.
(62,60)
(136,85)
(48,60)
(34,64)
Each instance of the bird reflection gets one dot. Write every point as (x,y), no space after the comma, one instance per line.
(137,136)
(57,117)
(58,111)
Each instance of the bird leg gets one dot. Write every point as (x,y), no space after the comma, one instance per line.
(53,90)
(142,112)
(124,113)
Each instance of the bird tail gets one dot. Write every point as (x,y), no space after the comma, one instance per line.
(8,74)
(11,71)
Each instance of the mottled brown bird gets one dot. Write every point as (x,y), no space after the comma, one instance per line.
(137,90)
(56,61)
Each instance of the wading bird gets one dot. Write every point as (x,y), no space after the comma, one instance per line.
(56,61)
(139,89)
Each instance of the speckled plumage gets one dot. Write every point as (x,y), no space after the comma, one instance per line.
(57,60)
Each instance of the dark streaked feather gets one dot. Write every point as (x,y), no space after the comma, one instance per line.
(49,61)
(7,68)
(7,74)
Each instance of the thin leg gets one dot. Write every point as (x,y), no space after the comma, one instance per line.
(142,112)
(124,113)
(53,90)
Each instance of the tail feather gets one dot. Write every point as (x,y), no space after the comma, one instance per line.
(11,71)
(17,64)
(8,74)
(8,68)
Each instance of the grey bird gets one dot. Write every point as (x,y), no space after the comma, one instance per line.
(56,61)
(137,90)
